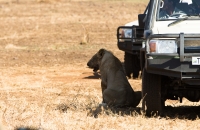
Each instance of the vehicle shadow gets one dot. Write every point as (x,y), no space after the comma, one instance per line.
(182,112)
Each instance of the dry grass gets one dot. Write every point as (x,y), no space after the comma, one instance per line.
(44,81)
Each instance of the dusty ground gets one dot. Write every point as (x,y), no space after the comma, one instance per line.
(44,80)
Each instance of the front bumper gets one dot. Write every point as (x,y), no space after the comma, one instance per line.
(130,47)
(172,67)
(177,65)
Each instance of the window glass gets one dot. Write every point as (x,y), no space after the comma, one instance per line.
(176,9)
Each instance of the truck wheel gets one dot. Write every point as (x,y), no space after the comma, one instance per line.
(142,60)
(136,66)
(132,65)
(128,64)
(151,93)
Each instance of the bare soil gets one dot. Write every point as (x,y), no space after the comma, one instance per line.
(44,79)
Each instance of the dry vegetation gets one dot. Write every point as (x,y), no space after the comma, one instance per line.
(44,80)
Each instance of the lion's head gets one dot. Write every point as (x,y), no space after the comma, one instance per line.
(94,62)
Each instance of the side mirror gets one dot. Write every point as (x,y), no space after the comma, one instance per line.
(141,20)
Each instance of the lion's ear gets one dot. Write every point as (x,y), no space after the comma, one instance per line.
(101,53)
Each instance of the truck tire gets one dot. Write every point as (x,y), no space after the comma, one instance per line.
(132,65)
(128,64)
(142,60)
(151,93)
(136,66)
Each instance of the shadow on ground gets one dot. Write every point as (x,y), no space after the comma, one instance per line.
(181,112)
(114,111)
(96,75)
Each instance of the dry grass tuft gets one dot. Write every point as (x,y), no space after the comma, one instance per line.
(62,108)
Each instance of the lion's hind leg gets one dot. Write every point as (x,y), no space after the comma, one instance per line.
(114,98)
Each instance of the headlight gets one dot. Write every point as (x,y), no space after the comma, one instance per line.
(126,33)
(162,46)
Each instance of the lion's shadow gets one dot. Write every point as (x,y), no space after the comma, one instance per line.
(96,75)
(181,112)
(114,111)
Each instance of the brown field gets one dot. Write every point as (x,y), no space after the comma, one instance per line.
(44,79)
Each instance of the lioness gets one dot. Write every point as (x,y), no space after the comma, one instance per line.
(116,90)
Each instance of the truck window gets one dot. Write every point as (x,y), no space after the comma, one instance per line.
(173,9)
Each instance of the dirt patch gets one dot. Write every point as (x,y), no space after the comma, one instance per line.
(44,80)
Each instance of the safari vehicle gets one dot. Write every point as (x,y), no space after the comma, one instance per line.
(169,54)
